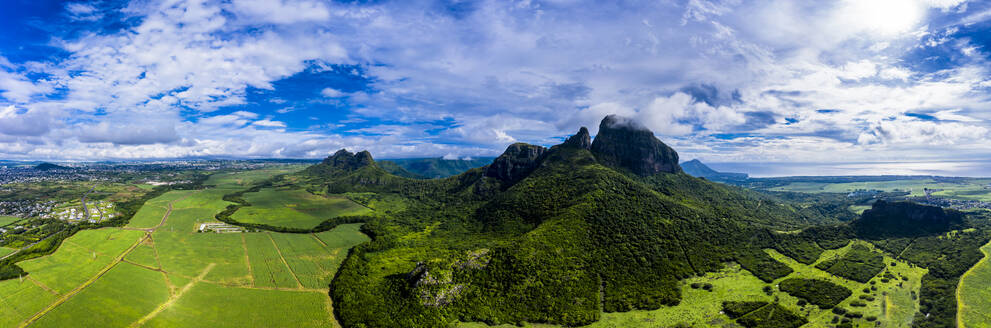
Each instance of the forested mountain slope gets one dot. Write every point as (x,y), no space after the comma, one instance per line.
(549,235)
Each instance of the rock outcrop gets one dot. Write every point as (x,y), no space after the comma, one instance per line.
(345,160)
(582,139)
(340,163)
(625,143)
(516,162)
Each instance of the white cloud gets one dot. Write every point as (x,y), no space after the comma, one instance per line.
(269,123)
(18,88)
(282,11)
(332,93)
(16,121)
(501,73)
(914,132)
(83,12)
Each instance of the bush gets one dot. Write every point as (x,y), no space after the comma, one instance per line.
(772,316)
(738,309)
(819,292)
(858,264)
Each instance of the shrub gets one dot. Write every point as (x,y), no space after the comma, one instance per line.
(819,292)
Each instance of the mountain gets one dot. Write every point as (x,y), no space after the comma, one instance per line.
(563,234)
(397,170)
(554,235)
(432,168)
(49,166)
(625,144)
(696,168)
(906,219)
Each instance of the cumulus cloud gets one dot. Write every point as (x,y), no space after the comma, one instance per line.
(795,80)
(17,88)
(282,11)
(83,11)
(915,132)
(331,93)
(16,121)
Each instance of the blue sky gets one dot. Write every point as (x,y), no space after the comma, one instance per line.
(725,81)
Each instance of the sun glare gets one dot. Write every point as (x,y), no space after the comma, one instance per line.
(883,17)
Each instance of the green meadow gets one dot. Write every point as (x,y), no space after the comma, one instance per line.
(119,298)
(5,220)
(4,251)
(294,208)
(974,294)
(166,274)
(966,189)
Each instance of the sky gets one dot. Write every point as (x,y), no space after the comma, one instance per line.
(725,81)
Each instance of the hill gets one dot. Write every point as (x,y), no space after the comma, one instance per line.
(696,168)
(553,235)
(432,168)
(48,167)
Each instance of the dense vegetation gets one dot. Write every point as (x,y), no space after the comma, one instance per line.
(738,309)
(763,315)
(559,236)
(557,244)
(819,292)
(431,168)
(857,264)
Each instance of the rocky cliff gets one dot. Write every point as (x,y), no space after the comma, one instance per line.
(626,144)
(516,162)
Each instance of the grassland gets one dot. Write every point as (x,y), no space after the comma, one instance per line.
(893,304)
(176,276)
(268,267)
(212,305)
(5,220)
(974,294)
(80,257)
(150,215)
(4,251)
(119,298)
(294,208)
(966,189)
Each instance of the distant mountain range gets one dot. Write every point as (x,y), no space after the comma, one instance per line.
(432,168)
(698,169)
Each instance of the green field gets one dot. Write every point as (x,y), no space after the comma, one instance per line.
(150,215)
(119,298)
(268,267)
(80,257)
(21,299)
(5,220)
(974,294)
(294,208)
(966,189)
(211,305)
(179,277)
(4,251)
